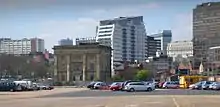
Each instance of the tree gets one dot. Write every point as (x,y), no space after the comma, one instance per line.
(142,75)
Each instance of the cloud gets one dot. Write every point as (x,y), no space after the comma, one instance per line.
(182,27)
(54,30)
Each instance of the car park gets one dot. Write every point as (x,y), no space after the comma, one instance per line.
(171,84)
(116,86)
(139,86)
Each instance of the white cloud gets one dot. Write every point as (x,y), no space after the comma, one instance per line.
(54,30)
(182,27)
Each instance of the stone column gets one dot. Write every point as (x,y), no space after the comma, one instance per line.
(98,66)
(55,68)
(68,68)
(84,67)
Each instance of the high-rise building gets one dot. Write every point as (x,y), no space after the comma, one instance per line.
(126,36)
(162,39)
(66,42)
(151,46)
(23,46)
(180,48)
(206,30)
(85,40)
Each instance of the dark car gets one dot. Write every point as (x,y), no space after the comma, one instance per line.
(91,85)
(10,86)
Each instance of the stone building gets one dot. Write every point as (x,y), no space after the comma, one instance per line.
(84,62)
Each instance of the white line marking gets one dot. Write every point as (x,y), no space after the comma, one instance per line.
(131,105)
(175,102)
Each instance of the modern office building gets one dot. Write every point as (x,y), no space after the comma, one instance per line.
(66,42)
(206,30)
(180,48)
(85,40)
(162,39)
(23,46)
(151,46)
(126,36)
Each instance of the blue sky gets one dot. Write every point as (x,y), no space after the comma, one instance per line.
(53,20)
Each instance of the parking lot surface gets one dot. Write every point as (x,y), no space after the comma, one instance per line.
(96,98)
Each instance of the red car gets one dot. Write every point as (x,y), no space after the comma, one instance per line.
(116,86)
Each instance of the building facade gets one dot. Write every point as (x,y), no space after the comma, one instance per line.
(66,42)
(162,39)
(85,40)
(206,30)
(180,48)
(126,36)
(151,46)
(23,46)
(84,62)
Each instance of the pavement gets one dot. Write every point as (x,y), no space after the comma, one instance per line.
(79,97)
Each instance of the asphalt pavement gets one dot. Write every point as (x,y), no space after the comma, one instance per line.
(108,93)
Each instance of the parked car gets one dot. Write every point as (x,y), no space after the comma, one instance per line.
(91,85)
(206,84)
(171,84)
(160,85)
(139,86)
(126,82)
(197,85)
(26,85)
(43,86)
(216,86)
(100,85)
(116,86)
(211,86)
(9,86)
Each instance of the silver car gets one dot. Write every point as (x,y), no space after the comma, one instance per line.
(139,86)
(216,86)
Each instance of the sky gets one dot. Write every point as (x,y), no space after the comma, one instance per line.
(53,20)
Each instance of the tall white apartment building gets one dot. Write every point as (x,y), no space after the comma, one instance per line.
(23,46)
(182,48)
(126,36)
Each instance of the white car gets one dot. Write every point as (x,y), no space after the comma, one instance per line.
(99,85)
(139,86)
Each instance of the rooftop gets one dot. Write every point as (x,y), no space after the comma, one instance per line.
(82,46)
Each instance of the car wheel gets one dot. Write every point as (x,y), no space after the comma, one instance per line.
(131,89)
(11,90)
(149,89)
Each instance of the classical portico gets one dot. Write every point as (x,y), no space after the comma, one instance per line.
(82,63)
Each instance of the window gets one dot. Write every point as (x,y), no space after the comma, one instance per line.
(104,35)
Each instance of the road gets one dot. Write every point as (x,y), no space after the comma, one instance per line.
(97,98)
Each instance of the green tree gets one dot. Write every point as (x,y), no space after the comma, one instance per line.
(142,75)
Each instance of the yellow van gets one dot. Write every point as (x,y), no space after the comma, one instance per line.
(185,81)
